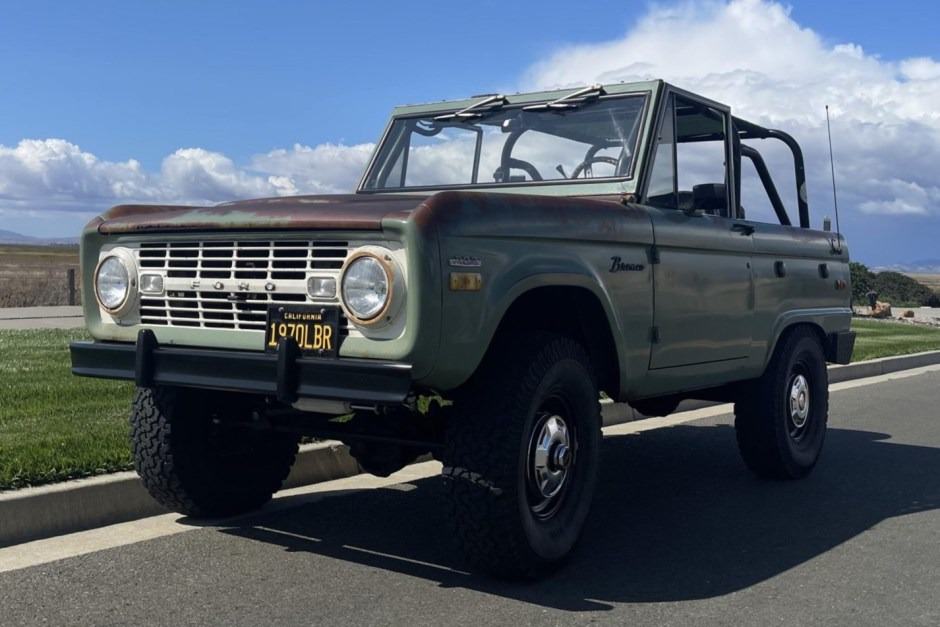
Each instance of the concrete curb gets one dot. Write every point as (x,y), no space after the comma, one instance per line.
(71,506)
(837,374)
(884,365)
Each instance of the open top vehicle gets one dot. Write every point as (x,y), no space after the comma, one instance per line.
(504,261)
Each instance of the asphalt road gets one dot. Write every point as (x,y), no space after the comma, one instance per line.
(680,534)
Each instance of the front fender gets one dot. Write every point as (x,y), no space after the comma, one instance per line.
(470,319)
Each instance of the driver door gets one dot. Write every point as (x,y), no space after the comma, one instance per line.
(702,284)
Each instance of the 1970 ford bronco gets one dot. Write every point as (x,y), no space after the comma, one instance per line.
(504,262)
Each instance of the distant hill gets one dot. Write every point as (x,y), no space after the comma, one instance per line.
(894,287)
(921,266)
(11,237)
(930,279)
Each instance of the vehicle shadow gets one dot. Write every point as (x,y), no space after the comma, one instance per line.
(676,517)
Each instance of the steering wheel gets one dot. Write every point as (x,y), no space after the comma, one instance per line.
(585,166)
(502,172)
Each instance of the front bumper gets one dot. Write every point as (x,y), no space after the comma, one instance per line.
(286,375)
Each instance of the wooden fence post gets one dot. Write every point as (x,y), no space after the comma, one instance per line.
(71,281)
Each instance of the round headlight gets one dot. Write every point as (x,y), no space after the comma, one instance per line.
(112,283)
(366,287)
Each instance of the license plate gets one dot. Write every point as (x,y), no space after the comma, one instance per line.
(314,329)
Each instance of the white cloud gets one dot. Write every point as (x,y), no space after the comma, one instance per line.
(752,55)
(902,197)
(326,168)
(56,175)
(61,174)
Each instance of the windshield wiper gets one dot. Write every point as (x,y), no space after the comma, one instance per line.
(477,109)
(570,101)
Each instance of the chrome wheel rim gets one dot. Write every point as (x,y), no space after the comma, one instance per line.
(550,460)
(799,404)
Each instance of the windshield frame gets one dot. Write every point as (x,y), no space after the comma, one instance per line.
(518,102)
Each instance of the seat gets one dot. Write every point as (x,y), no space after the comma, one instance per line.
(711,198)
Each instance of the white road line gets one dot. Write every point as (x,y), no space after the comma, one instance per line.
(83,542)
(122,534)
(718,410)
(891,376)
(44,317)
(648,424)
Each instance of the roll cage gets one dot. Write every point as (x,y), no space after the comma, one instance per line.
(733,131)
(749,130)
(630,180)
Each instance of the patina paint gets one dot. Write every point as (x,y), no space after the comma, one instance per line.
(691,300)
(333,212)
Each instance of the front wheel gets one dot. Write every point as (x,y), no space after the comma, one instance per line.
(781,422)
(521,456)
(195,458)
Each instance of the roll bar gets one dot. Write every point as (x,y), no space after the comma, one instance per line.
(749,130)
(768,182)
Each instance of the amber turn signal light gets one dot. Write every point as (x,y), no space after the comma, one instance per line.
(466,281)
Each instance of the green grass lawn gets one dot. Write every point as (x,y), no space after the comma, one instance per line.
(54,426)
(882,339)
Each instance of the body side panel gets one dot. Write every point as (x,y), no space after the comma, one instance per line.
(530,242)
(814,289)
(704,301)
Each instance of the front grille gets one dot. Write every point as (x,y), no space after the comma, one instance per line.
(275,260)
(231,284)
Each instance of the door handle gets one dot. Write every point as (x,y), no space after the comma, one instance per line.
(743,229)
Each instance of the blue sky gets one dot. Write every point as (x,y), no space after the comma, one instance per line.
(140,80)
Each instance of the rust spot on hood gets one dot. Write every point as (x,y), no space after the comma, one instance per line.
(326,212)
(481,213)
(455,212)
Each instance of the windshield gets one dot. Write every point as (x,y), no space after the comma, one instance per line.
(496,145)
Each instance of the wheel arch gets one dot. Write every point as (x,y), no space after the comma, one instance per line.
(787,326)
(587,317)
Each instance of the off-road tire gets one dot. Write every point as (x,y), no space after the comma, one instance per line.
(194,461)
(487,447)
(763,423)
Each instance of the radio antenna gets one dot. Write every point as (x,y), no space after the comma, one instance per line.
(835,199)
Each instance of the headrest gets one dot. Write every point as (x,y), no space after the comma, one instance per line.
(710,197)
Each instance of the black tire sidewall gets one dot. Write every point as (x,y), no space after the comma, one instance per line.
(552,539)
(805,358)
(486,454)
(179,463)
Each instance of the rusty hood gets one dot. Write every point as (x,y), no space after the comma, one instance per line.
(347,212)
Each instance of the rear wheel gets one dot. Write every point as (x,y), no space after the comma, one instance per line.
(194,459)
(781,422)
(521,456)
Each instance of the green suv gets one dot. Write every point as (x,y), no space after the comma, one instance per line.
(504,262)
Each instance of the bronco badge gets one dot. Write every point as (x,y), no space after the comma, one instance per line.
(616,265)
(465,261)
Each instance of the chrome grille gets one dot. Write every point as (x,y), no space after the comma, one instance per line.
(231,284)
(242,259)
